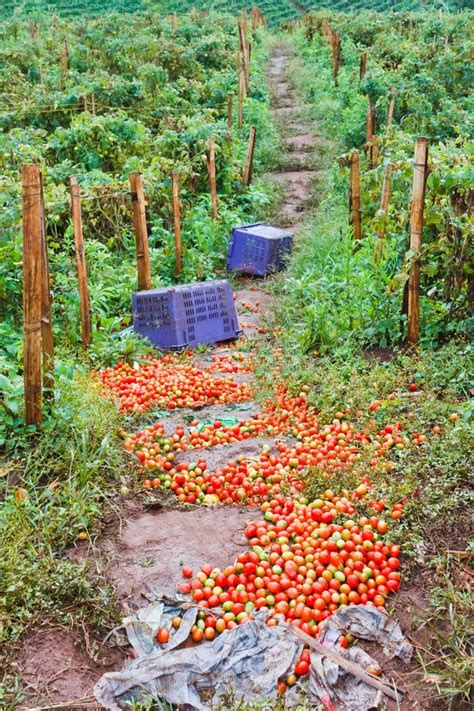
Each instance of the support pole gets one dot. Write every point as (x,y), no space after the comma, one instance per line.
(355,205)
(416,223)
(81,265)
(46,318)
(230,115)
(177,221)
(250,154)
(32,301)
(141,234)
(211,167)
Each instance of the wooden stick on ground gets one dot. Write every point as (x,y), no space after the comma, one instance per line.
(420,170)
(346,664)
(84,298)
(32,301)
(177,221)
(141,234)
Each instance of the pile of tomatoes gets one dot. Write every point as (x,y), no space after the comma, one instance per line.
(169,382)
(303,563)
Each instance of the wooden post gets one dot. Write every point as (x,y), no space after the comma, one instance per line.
(370,125)
(391,106)
(32,301)
(420,170)
(336,55)
(374,151)
(243,54)
(141,234)
(211,167)
(250,153)
(230,114)
(254,19)
(363,66)
(385,199)
(93,104)
(64,61)
(81,265)
(46,318)
(85,107)
(240,99)
(245,22)
(177,221)
(354,199)
(249,54)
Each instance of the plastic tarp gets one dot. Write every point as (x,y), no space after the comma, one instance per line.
(249,659)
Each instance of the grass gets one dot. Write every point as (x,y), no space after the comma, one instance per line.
(57,486)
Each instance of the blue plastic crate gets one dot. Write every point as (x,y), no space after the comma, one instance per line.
(177,317)
(258,249)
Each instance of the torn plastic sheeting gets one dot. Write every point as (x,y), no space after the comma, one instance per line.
(250,658)
(337,688)
(141,628)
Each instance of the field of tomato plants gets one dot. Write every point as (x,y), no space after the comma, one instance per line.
(331,459)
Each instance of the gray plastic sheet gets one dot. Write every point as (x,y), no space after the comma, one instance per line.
(250,659)
(334,687)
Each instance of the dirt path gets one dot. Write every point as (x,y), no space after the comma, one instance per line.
(59,664)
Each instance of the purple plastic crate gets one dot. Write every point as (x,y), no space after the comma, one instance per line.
(177,317)
(258,249)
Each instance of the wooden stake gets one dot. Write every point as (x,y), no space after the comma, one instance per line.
(230,115)
(245,22)
(250,153)
(420,170)
(243,54)
(93,104)
(32,301)
(354,199)
(385,199)
(81,265)
(240,99)
(249,54)
(336,55)
(84,104)
(374,151)
(177,222)
(46,318)
(254,19)
(211,167)
(370,124)
(141,234)
(174,22)
(391,106)
(363,66)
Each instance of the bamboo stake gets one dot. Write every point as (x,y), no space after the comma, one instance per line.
(416,222)
(46,319)
(363,66)
(336,55)
(355,205)
(243,54)
(211,167)
(391,106)
(141,234)
(240,99)
(177,221)
(374,151)
(250,154)
(32,301)
(249,54)
(230,115)
(81,265)
(385,199)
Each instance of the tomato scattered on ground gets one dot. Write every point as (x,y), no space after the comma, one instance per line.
(169,382)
